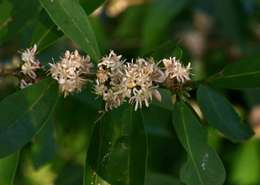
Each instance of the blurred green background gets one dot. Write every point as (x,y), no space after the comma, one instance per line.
(208,33)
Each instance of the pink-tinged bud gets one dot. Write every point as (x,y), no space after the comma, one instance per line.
(157,95)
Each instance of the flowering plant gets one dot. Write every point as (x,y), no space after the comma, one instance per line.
(112,113)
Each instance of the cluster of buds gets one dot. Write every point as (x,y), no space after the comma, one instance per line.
(69,72)
(117,81)
(30,67)
(136,81)
(140,80)
(109,80)
(176,75)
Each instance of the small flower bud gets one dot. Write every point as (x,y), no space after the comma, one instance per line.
(157,95)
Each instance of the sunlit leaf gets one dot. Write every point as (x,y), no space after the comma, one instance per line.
(8,167)
(246,164)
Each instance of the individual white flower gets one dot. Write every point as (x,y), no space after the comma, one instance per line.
(175,70)
(69,70)
(24,84)
(29,67)
(112,99)
(28,55)
(112,62)
(109,81)
(138,79)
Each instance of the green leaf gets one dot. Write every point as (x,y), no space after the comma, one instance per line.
(118,152)
(43,148)
(166,102)
(70,17)
(161,179)
(46,32)
(92,178)
(87,97)
(15,15)
(239,75)
(203,166)
(157,125)
(157,19)
(8,166)
(5,12)
(246,164)
(221,115)
(24,113)
(89,5)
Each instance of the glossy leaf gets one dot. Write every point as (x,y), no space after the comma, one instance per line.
(242,74)
(203,166)
(118,150)
(70,17)
(220,114)
(23,114)
(8,167)
(46,32)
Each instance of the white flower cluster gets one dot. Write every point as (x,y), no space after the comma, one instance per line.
(109,80)
(140,82)
(117,81)
(175,70)
(135,81)
(69,71)
(29,67)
